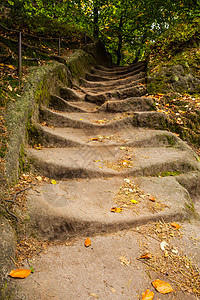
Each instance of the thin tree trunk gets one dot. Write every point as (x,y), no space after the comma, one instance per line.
(96,19)
(119,55)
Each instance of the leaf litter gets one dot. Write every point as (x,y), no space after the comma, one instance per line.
(130,196)
(171,261)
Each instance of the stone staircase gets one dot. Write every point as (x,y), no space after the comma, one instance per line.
(103,144)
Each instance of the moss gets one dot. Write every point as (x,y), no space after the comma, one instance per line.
(165,174)
(170,139)
(24,163)
(42,91)
(32,134)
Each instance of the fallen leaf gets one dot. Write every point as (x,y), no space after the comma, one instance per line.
(39,178)
(134,201)
(163,244)
(113,290)
(175,225)
(151,198)
(53,182)
(94,139)
(20,273)
(11,67)
(146,255)
(10,87)
(124,261)
(116,209)
(87,242)
(94,295)
(162,286)
(147,295)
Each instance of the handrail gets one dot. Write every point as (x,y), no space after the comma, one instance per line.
(20,33)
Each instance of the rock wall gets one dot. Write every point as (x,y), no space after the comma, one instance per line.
(40,84)
(173,79)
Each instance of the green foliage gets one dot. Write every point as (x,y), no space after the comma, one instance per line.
(126,27)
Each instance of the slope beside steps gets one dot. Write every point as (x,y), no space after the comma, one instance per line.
(103,143)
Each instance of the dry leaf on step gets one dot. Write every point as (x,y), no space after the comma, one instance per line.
(87,242)
(146,255)
(162,286)
(116,209)
(20,273)
(147,295)
(175,225)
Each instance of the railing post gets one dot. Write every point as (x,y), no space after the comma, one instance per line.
(59,42)
(85,38)
(20,54)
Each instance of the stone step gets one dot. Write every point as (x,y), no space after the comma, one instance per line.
(101,137)
(121,71)
(112,84)
(135,91)
(150,119)
(92,162)
(83,207)
(60,104)
(97,90)
(121,68)
(129,105)
(94,77)
(85,120)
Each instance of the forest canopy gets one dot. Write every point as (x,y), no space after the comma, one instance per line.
(127,27)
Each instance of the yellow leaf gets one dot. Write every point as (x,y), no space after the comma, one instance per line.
(134,201)
(53,181)
(147,295)
(94,139)
(175,225)
(151,198)
(20,273)
(87,242)
(39,178)
(11,67)
(146,255)
(162,286)
(116,209)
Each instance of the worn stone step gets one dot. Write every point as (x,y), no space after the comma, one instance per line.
(85,120)
(129,104)
(91,162)
(61,104)
(114,83)
(135,91)
(150,119)
(97,90)
(94,77)
(70,94)
(72,207)
(101,137)
(121,68)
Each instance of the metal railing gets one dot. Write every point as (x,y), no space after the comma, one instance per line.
(20,34)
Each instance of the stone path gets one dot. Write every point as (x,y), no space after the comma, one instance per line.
(103,144)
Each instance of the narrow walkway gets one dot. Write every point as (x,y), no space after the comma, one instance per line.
(99,142)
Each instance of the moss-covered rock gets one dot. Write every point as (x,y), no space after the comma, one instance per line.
(173,79)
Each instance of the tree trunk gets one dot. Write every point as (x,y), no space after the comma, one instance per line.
(96,17)
(119,55)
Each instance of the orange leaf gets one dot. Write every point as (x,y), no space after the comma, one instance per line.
(94,139)
(20,273)
(162,286)
(116,209)
(87,242)
(147,295)
(146,255)
(151,198)
(175,225)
